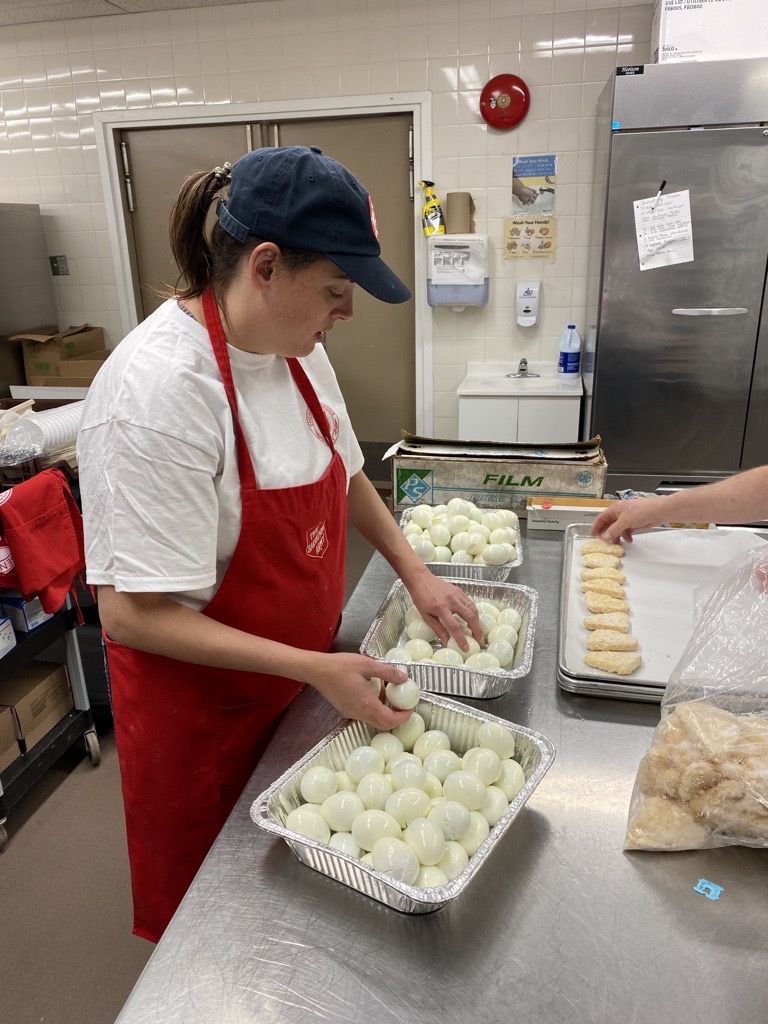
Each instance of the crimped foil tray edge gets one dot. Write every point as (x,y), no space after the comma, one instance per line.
(450,679)
(348,870)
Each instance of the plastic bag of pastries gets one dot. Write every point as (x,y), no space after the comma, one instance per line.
(704,781)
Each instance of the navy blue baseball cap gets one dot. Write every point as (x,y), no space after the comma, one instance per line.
(299,198)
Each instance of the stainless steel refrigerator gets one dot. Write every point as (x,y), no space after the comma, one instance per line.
(676,362)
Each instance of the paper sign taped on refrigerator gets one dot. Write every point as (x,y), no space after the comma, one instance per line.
(664,230)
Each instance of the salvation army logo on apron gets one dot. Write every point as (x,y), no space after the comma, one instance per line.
(317,541)
(333,423)
(6,559)
(5,495)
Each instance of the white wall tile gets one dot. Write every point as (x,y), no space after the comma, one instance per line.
(54,75)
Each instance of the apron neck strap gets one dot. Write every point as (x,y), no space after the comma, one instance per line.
(309,395)
(219,345)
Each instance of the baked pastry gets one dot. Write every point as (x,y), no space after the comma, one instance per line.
(599,561)
(609,587)
(603,572)
(609,620)
(601,547)
(619,662)
(610,640)
(599,603)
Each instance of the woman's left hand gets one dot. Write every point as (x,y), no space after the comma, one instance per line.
(439,603)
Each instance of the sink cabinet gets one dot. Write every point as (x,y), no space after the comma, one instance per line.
(535,410)
(534,420)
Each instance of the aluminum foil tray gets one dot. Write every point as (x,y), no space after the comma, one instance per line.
(269,811)
(490,573)
(388,630)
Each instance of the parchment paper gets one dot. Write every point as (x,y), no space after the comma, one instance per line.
(663,568)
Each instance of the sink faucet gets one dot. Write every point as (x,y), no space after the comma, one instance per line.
(522,370)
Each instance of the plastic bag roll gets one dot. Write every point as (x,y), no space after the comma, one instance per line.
(459,213)
(53,428)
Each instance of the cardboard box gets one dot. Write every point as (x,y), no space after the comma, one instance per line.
(685,30)
(9,745)
(24,615)
(84,367)
(551,513)
(431,470)
(46,349)
(40,697)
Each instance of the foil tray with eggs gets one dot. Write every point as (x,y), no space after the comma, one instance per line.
(388,630)
(534,752)
(473,571)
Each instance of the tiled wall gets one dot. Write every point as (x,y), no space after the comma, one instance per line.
(54,75)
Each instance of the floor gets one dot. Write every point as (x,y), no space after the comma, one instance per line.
(67,955)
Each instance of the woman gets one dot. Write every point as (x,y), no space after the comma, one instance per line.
(217,465)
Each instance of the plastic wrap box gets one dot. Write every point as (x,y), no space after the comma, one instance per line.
(685,30)
(494,475)
(550,513)
(39,696)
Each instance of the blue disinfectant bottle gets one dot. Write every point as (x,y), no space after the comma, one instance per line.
(570,352)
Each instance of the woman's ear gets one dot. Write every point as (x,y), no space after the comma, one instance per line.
(261,263)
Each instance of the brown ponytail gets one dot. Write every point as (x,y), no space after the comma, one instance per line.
(189,242)
(202,260)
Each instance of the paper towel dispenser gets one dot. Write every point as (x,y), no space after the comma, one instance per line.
(457,273)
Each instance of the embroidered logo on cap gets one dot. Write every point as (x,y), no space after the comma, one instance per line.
(373,218)
(317,541)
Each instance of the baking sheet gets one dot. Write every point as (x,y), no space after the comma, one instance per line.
(663,569)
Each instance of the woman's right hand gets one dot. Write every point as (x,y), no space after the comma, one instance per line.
(345,681)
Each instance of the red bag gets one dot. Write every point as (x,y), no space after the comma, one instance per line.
(41,548)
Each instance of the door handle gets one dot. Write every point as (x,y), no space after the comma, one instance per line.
(712,311)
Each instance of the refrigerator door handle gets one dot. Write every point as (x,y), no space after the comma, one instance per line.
(712,311)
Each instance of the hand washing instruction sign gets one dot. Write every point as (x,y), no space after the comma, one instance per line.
(664,230)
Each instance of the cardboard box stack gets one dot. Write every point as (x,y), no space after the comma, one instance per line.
(38,696)
(685,30)
(9,744)
(431,471)
(69,358)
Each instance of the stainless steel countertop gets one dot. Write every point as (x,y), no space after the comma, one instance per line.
(561,925)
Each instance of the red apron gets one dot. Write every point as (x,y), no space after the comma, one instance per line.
(188,736)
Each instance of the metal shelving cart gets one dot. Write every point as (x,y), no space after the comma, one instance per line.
(28,767)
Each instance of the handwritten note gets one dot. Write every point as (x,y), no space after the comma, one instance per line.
(664,231)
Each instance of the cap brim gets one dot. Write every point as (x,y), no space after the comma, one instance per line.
(373,275)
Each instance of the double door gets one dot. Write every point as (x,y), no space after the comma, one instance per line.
(373,355)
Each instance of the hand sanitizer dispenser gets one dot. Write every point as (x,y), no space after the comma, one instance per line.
(528,303)
(458,270)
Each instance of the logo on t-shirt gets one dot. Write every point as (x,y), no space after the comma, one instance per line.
(331,418)
(317,541)
(6,559)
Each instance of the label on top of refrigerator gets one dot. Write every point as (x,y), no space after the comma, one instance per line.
(631,69)
(664,230)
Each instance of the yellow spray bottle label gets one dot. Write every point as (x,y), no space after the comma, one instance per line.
(432,218)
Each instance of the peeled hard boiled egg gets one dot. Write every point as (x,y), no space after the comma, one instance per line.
(403,696)
(395,858)
(317,783)
(410,731)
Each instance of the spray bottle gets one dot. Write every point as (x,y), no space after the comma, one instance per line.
(432,217)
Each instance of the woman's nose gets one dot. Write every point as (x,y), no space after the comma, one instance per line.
(344,310)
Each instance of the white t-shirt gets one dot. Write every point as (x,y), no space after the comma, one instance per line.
(157,458)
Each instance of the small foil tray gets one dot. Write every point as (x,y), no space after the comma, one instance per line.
(388,630)
(534,752)
(491,573)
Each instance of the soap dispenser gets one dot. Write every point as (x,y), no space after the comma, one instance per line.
(528,303)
